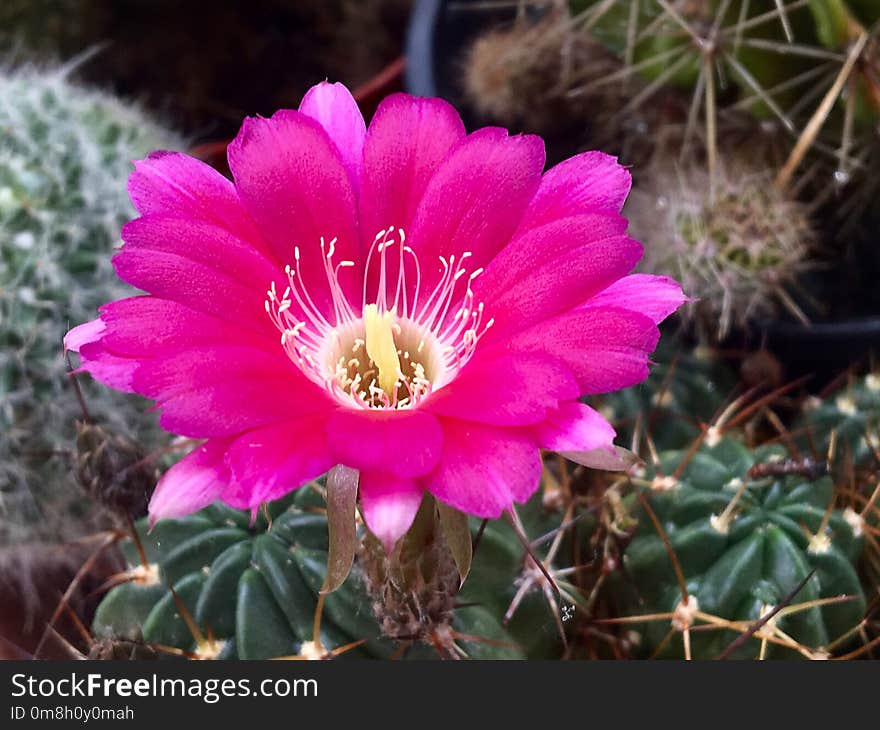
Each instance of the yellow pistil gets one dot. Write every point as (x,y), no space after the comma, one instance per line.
(379,341)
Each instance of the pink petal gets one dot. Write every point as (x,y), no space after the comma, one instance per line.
(389,504)
(334,108)
(654,296)
(405,443)
(221,390)
(192,483)
(586,183)
(475,200)
(484,470)
(195,285)
(269,462)
(202,365)
(148,327)
(107,367)
(574,427)
(175,184)
(605,348)
(506,390)
(406,142)
(551,269)
(553,240)
(207,244)
(291,178)
(83,334)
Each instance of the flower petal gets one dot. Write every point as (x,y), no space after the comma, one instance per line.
(224,389)
(106,367)
(269,462)
(405,443)
(407,140)
(204,243)
(605,348)
(83,334)
(192,483)
(574,427)
(389,504)
(554,268)
(506,390)
(195,285)
(586,183)
(475,200)
(654,296)
(172,183)
(149,327)
(616,459)
(295,185)
(484,470)
(334,108)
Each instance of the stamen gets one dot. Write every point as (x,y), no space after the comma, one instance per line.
(396,350)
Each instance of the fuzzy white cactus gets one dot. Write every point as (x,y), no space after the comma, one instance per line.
(65,155)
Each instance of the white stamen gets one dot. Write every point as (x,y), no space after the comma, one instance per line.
(327,341)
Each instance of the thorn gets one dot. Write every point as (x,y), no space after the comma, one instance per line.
(766,618)
(107,540)
(676,566)
(524,540)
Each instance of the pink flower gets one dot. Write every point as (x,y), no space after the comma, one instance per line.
(435,309)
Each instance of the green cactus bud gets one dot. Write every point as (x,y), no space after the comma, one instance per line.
(737,245)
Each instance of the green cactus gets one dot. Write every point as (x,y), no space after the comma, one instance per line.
(746,532)
(65,153)
(850,413)
(252,590)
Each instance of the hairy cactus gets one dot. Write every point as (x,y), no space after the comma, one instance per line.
(747,528)
(252,592)
(65,153)
(520,76)
(738,245)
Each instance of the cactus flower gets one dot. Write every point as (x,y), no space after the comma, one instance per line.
(420,304)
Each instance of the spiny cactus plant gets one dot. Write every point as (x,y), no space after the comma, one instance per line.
(850,414)
(520,76)
(774,60)
(738,245)
(793,83)
(65,153)
(746,528)
(251,591)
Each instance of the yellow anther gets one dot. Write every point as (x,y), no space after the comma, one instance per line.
(379,336)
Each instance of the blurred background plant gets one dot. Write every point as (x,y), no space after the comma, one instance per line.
(751,127)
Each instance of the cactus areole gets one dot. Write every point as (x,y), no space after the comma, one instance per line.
(419,304)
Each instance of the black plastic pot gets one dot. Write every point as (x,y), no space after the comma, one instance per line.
(823,349)
(439,33)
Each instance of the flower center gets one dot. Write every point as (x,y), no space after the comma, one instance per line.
(396,350)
